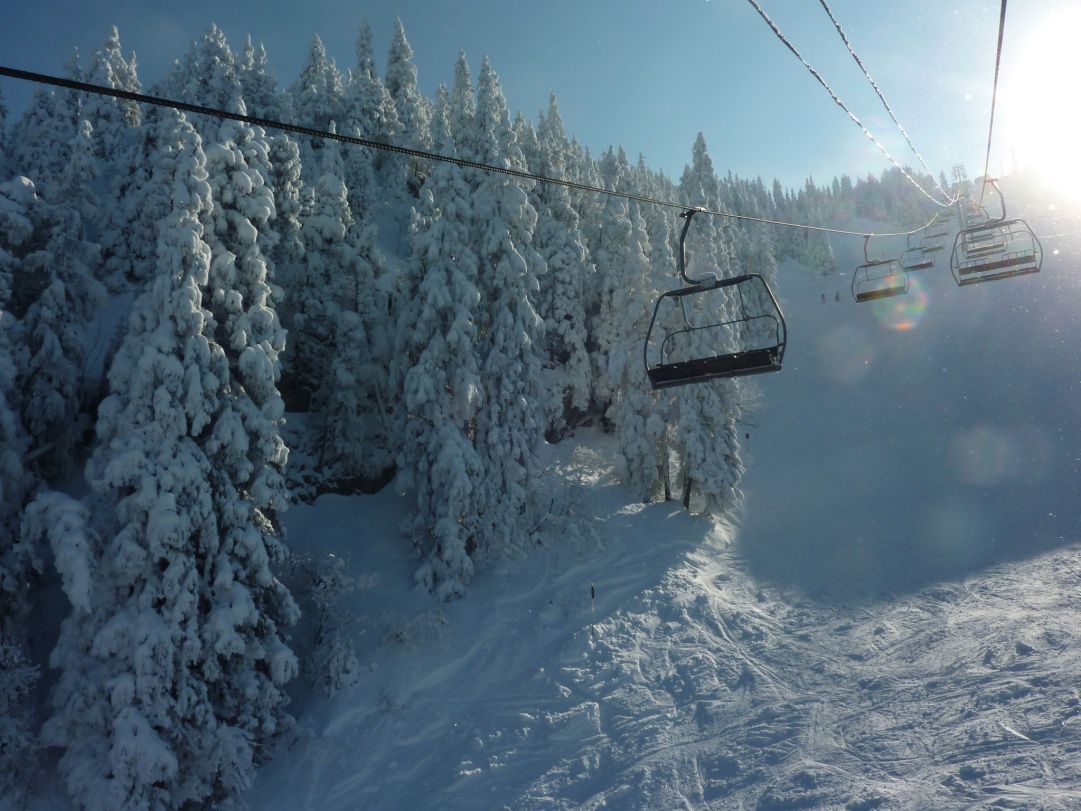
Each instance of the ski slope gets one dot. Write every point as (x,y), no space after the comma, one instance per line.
(890,624)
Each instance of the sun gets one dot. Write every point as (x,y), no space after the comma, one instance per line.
(1038,109)
(1039,114)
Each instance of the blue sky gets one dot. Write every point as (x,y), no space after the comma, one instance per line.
(647,74)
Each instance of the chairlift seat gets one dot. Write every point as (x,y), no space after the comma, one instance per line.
(923,263)
(881,293)
(1015,264)
(699,370)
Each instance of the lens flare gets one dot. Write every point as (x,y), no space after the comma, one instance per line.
(983,455)
(903,313)
(955,531)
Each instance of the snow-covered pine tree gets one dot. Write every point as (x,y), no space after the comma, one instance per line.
(618,260)
(581,168)
(244,444)
(55,324)
(172,663)
(623,318)
(706,435)
(41,139)
(18,564)
(315,99)
(18,736)
(110,117)
(638,414)
(325,225)
(442,389)
(351,394)
(207,74)
(257,84)
(289,200)
(369,113)
(510,421)
(322,583)
(813,247)
(660,223)
(561,300)
(246,323)
(462,111)
(17,199)
(3,135)
(121,152)
(414,110)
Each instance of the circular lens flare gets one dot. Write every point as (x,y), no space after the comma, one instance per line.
(903,313)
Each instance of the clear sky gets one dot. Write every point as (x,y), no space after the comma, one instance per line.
(650,74)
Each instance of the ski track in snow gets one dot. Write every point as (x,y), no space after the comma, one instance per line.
(721,675)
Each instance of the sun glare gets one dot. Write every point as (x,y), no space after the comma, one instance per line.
(1041,120)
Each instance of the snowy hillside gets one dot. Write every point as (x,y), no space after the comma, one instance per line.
(891,624)
(336,471)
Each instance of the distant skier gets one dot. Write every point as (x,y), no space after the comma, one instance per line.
(836,296)
(823,298)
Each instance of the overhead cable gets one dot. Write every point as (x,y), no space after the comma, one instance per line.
(837,99)
(881,97)
(994,96)
(183,106)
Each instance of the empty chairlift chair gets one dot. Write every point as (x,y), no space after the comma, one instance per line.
(995,249)
(713,328)
(878,278)
(916,258)
(933,240)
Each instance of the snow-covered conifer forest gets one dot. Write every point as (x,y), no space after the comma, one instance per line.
(204,324)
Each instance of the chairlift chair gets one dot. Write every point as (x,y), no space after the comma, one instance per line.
(996,249)
(916,258)
(878,278)
(713,328)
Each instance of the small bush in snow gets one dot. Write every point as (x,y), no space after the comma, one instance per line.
(328,655)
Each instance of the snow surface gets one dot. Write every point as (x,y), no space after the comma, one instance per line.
(892,624)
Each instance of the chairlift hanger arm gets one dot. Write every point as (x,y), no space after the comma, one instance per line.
(993,183)
(686,215)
